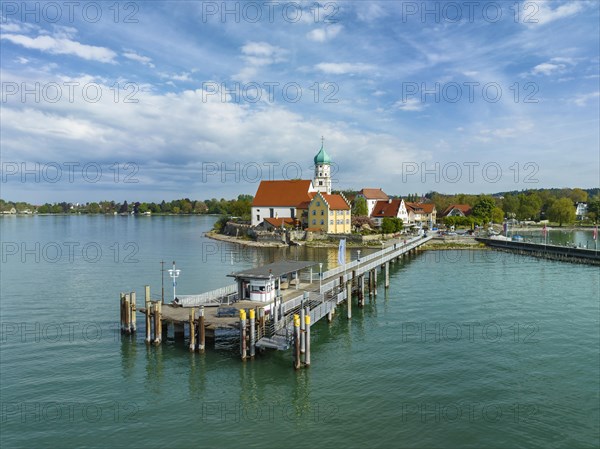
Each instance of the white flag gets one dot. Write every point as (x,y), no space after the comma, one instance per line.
(342,252)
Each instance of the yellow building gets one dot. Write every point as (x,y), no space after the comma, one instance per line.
(330,214)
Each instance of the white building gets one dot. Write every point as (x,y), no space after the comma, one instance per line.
(372,196)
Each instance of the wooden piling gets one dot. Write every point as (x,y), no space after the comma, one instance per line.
(361,290)
(122,310)
(302,328)
(133,313)
(127,308)
(252,332)
(307,339)
(349,298)
(148,307)
(192,323)
(243,334)
(201,331)
(157,323)
(375,282)
(387,275)
(296,341)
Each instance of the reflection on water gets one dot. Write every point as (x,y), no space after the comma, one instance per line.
(579,238)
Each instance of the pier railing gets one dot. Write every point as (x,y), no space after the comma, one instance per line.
(223,295)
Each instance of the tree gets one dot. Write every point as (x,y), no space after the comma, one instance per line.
(143,208)
(200,207)
(578,196)
(124,208)
(483,208)
(594,208)
(390,225)
(562,211)
(94,208)
(511,205)
(529,206)
(359,208)
(497,215)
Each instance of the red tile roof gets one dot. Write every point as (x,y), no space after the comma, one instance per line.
(304,204)
(421,208)
(464,208)
(386,208)
(374,194)
(282,193)
(336,202)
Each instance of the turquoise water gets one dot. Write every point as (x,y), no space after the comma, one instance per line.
(465,349)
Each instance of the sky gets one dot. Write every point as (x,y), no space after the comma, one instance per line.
(155,100)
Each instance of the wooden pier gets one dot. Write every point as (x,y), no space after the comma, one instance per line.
(296,300)
(553,252)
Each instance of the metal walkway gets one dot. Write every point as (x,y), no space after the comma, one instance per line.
(323,299)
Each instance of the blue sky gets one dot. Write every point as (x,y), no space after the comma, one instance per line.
(149,100)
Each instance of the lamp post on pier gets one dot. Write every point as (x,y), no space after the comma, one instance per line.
(173,273)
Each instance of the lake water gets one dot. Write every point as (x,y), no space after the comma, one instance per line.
(465,349)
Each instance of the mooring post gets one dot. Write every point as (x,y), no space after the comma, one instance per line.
(127,314)
(192,323)
(148,305)
(361,290)
(252,332)
(375,281)
(296,341)
(302,328)
(243,333)
(133,313)
(157,323)
(261,321)
(307,338)
(387,275)
(122,310)
(349,298)
(201,331)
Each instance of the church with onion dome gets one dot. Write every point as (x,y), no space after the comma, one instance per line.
(303,204)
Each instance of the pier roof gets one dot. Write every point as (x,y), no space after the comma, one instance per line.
(276,269)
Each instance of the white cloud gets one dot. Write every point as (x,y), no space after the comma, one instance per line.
(411,104)
(581,100)
(546,14)
(62,46)
(342,68)
(130,54)
(555,65)
(547,68)
(369,11)
(263,53)
(324,34)
(258,54)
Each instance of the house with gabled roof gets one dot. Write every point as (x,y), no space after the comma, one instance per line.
(280,199)
(457,210)
(392,208)
(421,213)
(372,196)
(330,213)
